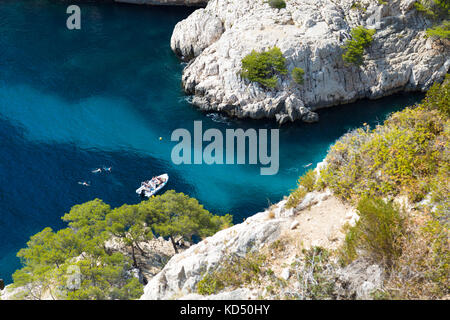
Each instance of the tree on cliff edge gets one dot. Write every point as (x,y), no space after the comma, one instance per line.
(179,215)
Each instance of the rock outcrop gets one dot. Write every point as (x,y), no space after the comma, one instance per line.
(310,33)
(198,32)
(318,221)
(359,280)
(182,273)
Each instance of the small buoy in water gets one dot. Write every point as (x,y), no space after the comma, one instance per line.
(160,138)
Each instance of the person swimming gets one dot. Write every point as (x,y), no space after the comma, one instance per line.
(98,170)
(84,183)
(108,169)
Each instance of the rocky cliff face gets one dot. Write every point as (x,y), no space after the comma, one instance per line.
(310,34)
(182,273)
(197,3)
(316,221)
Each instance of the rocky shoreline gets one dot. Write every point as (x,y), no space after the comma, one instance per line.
(310,34)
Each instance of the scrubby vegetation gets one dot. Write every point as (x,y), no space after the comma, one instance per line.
(439,12)
(264,67)
(412,248)
(298,74)
(441,31)
(296,197)
(376,169)
(76,263)
(421,271)
(406,156)
(311,273)
(438,97)
(305,184)
(357,5)
(361,38)
(377,232)
(234,272)
(308,180)
(278,4)
(396,175)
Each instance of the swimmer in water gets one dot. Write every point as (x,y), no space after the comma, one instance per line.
(107,169)
(97,170)
(84,183)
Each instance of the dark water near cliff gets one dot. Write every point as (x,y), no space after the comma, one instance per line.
(73,101)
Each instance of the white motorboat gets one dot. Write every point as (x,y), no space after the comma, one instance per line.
(151,187)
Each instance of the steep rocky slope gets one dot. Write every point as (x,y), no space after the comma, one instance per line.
(167,2)
(310,33)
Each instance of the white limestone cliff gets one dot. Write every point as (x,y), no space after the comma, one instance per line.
(310,33)
(316,221)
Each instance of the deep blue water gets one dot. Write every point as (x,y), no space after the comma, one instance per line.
(73,101)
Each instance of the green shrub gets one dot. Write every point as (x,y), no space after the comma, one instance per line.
(441,31)
(354,48)
(377,232)
(440,191)
(316,279)
(347,252)
(278,4)
(402,156)
(438,96)
(434,9)
(305,184)
(264,67)
(422,271)
(297,75)
(308,180)
(234,271)
(407,155)
(209,284)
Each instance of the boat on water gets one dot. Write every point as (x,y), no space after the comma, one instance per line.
(151,187)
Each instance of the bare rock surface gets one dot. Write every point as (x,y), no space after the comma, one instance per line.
(310,33)
(198,31)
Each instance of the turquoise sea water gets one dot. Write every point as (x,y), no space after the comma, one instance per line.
(73,101)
